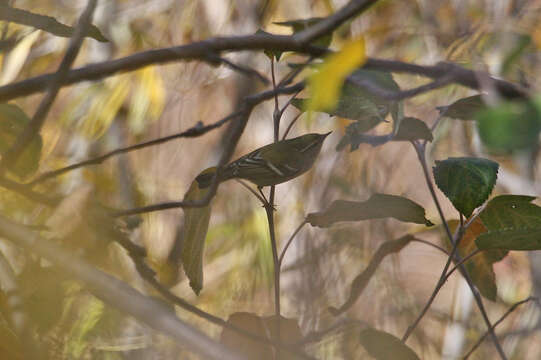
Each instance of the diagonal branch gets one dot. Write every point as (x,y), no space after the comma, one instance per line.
(117,293)
(53,85)
(194,131)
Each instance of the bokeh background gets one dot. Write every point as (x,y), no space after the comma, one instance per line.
(90,118)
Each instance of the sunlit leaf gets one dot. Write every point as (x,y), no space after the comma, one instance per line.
(16,58)
(509,126)
(413,129)
(45,23)
(12,123)
(105,107)
(147,100)
(326,83)
(467,182)
(193,234)
(480,266)
(377,207)
(464,109)
(384,346)
(356,103)
(89,315)
(265,327)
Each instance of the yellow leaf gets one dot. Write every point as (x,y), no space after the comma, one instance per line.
(105,107)
(326,83)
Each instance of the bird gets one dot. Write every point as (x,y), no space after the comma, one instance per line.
(271,164)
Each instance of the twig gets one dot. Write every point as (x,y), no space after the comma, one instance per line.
(194,131)
(454,253)
(249,188)
(243,69)
(293,121)
(359,283)
(431,244)
(283,253)
(507,313)
(11,156)
(377,90)
(331,23)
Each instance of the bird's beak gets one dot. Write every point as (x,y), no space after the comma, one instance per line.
(327,134)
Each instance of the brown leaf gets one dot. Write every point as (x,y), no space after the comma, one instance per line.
(480,266)
(265,327)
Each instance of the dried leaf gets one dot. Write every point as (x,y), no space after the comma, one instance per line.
(377,207)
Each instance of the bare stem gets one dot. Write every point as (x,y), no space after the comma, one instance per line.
(289,242)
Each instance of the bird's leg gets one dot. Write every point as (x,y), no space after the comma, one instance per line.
(267,203)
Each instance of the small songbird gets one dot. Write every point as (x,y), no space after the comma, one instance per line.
(271,164)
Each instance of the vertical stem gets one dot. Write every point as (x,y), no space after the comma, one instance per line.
(455,241)
(269,208)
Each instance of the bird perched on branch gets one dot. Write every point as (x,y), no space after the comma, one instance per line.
(271,164)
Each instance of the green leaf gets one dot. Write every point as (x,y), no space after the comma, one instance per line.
(12,123)
(302,24)
(509,126)
(384,346)
(467,182)
(515,239)
(463,109)
(45,23)
(413,129)
(193,234)
(514,223)
(511,211)
(377,207)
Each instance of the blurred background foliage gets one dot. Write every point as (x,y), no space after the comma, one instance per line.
(90,118)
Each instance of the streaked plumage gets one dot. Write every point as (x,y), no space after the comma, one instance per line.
(273,163)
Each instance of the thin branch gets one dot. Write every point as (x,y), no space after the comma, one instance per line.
(377,90)
(293,121)
(269,209)
(326,26)
(249,188)
(243,69)
(507,313)
(117,293)
(195,131)
(11,156)
(283,253)
(432,245)
(359,283)
(454,253)
(420,150)
(459,264)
